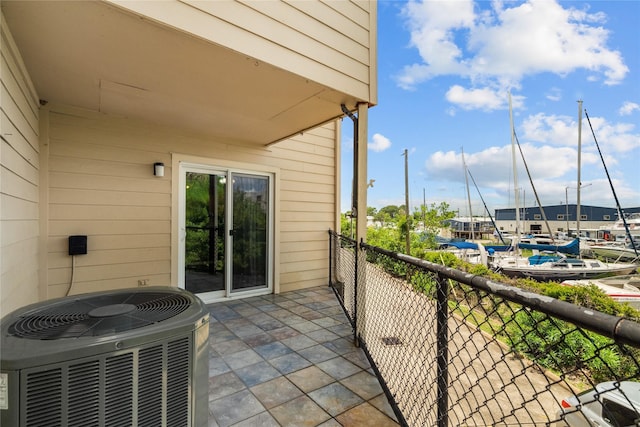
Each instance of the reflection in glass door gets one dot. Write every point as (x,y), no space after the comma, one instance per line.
(250,235)
(204,249)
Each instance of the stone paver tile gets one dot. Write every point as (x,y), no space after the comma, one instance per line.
(242,359)
(256,374)
(299,342)
(224,314)
(343,330)
(365,415)
(247,330)
(276,392)
(316,305)
(340,346)
(217,366)
(335,398)
(317,353)
(212,421)
(271,350)
(327,322)
(267,323)
(220,334)
(283,333)
(339,368)
(259,339)
(224,385)
(300,412)
(230,346)
(235,324)
(363,384)
(358,358)
(305,326)
(382,404)
(310,379)
(322,335)
(268,307)
(289,363)
(311,315)
(263,419)
(330,423)
(248,310)
(287,304)
(237,407)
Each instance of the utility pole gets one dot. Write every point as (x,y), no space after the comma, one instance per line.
(406,199)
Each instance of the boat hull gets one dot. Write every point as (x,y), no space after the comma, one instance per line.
(553,272)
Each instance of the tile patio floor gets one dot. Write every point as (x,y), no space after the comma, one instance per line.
(289,360)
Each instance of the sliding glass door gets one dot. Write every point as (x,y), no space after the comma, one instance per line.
(225,229)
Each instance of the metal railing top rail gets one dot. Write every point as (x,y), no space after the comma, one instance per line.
(622,330)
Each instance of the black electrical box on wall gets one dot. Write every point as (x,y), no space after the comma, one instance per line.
(77,245)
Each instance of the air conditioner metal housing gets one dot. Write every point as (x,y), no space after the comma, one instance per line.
(132,357)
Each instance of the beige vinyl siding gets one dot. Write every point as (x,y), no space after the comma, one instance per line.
(330,42)
(101,184)
(19,191)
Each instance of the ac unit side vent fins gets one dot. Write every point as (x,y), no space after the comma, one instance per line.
(119,390)
(150,381)
(178,382)
(44,402)
(84,394)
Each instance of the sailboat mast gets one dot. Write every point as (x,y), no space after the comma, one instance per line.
(579,168)
(615,196)
(466,181)
(515,172)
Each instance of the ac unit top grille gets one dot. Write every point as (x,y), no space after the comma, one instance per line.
(98,315)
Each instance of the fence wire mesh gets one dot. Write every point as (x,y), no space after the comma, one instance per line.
(453,349)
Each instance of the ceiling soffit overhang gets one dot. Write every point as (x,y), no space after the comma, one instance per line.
(96,56)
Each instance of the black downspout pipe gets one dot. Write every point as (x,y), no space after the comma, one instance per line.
(354,214)
(354,187)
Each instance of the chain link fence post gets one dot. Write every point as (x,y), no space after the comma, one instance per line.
(442,333)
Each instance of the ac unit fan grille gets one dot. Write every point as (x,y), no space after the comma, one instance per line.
(99,315)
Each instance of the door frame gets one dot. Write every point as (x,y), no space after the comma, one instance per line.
(177,203)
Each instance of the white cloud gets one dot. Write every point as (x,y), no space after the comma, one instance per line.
(379,143)
(613,138)
(497,47)
(554,94)
(492,169)
(484,98)
(628,108)
(550,129)
(563,131)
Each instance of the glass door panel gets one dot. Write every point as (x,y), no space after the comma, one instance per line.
(250,232)
(204,250)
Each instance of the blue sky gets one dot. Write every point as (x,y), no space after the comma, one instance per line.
(445,69)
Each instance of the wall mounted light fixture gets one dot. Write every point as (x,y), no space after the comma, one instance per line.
(158,169)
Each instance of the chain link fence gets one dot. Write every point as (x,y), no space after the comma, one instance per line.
(454,349)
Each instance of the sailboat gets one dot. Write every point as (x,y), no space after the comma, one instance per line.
(563,268)
(568,269)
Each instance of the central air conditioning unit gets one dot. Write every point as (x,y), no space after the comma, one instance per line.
(133,357)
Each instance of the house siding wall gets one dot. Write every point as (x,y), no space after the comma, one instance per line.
(19,181)
(101,184)
(329,42)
